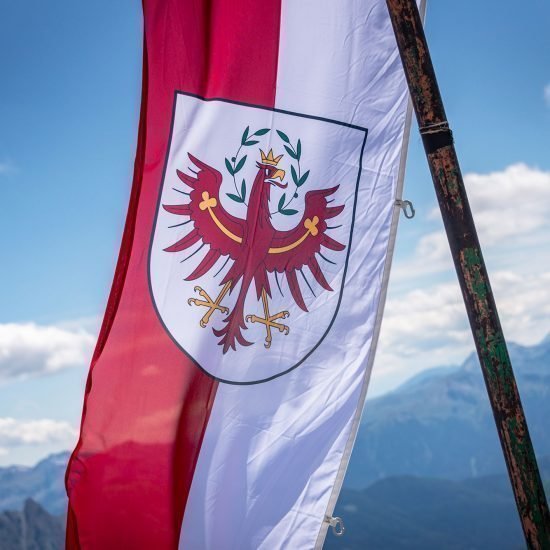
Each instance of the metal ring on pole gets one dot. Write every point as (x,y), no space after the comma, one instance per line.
(436,136)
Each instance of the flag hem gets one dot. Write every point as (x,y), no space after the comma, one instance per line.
(337,487)
(344,462)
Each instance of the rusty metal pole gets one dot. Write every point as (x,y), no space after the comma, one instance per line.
(472,274)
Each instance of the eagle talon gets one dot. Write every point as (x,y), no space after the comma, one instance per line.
(269,321)
(283,328)
(212,305)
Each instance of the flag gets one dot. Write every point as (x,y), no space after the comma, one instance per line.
(225,391)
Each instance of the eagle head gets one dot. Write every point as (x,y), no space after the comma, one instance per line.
(271,173)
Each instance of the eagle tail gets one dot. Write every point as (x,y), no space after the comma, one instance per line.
(231,333)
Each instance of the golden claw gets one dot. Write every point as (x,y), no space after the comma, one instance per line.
(212,305)
(269,321)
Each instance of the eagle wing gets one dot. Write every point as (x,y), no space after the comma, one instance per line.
(212,224)
(291,250)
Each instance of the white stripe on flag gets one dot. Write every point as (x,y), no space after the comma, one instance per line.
(272,452)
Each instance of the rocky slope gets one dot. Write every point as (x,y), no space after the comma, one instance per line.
(415,513)
(440,424)
(32,528)
(43,483)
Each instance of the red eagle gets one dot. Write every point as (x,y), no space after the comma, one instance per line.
(253,245)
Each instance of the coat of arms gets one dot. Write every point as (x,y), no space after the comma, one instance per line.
(252,235)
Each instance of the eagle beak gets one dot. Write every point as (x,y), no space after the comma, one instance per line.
(278,175)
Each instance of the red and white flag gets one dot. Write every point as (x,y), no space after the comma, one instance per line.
(227,384)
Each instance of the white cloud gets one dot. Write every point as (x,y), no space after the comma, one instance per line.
(431,255)
(428,327)
(425,323)
(512,203)
(547,94)
(422,328)
(7,167)
(29,349)
(524,305)
(90,324)
(14,433)
(510,208)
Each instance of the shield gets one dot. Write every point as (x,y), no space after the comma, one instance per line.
(252,235)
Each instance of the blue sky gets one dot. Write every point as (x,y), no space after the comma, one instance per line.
(69,104)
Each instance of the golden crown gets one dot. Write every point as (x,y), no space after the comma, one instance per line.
(269,159)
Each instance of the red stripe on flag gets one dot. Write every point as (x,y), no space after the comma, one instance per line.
(146,404)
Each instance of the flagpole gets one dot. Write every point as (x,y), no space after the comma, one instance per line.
(472,274)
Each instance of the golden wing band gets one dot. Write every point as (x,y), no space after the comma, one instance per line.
(209,203)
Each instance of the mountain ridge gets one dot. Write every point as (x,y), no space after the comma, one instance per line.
(43,483)
(418,513)
(442,425)
(31,528)
(426,472)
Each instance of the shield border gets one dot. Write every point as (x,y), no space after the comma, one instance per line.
(154,225)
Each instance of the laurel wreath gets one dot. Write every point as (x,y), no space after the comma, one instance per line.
(236,164)
(297,177)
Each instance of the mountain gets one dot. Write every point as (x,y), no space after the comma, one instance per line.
(427,453)
(414,513)
(31,529)
(440,424)
(44,483)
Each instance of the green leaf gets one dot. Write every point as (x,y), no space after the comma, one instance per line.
(299,149)
(261,132)
(243,190)
(228,166)
(283,136)
(291,152)
(294,176)
(245,135)
(303,179)
(240,164)
(289,212)
(282,201)
(234,197)
(250,142)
